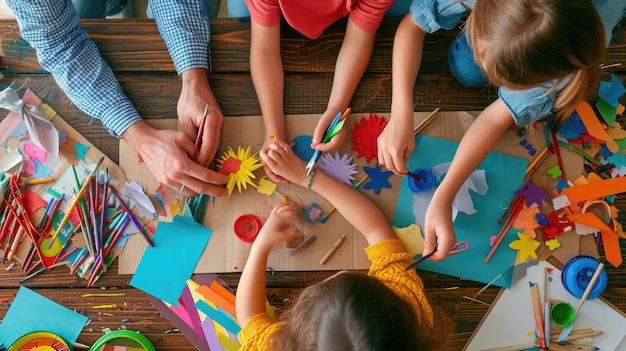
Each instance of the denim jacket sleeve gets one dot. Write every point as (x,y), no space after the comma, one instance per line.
(433,15)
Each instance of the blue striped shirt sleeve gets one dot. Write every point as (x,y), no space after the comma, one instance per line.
(52,27)
(184,26)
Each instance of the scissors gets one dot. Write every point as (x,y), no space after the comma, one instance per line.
(459,247)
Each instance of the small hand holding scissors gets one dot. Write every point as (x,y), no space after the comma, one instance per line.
(457,248)
(333,129)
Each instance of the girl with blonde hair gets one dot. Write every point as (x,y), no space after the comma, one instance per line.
(544,55)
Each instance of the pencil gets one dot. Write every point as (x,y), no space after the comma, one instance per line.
(537,159)
(536,305)
(431,117)
(130,214)
(302,247)
(77,199)
(39,180)
(505,228)
(197,143)
(333,249)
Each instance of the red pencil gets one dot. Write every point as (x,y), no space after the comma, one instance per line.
(505,229)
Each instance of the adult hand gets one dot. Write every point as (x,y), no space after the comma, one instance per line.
(333,144)
(166,154)
(280,226)
(195,95)
(395,145)
(438,229)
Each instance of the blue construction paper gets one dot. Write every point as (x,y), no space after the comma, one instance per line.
(611,92)
(220,316)
(165,268)
(32,312)
(504,175)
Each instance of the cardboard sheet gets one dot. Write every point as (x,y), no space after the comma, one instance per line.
(226,253)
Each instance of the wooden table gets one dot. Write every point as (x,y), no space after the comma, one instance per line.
(140,60)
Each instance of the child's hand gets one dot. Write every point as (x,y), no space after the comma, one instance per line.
(280,226)
(333,144)
(283,162)
(395,145)
(268,171)
(438,230)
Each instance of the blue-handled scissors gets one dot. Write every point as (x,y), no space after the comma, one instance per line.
(333,129)
(457,248)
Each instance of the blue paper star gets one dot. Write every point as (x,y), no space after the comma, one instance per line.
(378,179)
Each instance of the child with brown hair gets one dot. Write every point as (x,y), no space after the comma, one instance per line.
(386,309)
(545,56)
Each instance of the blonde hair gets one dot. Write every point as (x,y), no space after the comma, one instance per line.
(522,44)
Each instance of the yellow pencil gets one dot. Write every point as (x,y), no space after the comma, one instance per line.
(70,209)
(39,181)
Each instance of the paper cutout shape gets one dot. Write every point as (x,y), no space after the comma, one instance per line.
(594,128)
(40,129)
(137,196)
(553,244)
(611,92)
(266,186)
(365,136)
(534,195)
(476,182)
(506,174)
(595,190)
(554,172)
(165,268)
(338,167)
(411,238)
(243,175)
(526,219)
(302,147)
(32,312)
(526,247)
(378,179)
(607,112)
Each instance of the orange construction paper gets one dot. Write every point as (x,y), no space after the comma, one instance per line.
(595,190)
(589,219)
(612,250)
(217,298)
(594,128)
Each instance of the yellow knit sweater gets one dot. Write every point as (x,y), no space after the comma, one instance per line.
(388,262)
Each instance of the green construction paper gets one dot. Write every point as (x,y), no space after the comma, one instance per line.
(608,112)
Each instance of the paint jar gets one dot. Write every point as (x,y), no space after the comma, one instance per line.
(577,273)
(425,183)
(247,227)
(562,314)
(123,340)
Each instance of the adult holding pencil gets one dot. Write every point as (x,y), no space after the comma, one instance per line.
(52,27)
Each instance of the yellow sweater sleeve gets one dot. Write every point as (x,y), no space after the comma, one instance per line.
(255,334)
(389,259)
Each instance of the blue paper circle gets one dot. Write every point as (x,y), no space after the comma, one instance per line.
(302,147)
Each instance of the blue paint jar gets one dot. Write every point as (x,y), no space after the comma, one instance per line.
(426,183)
(577,273)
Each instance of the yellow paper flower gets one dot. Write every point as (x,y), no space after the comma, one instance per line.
(553,244)
(243,176)
(526,247)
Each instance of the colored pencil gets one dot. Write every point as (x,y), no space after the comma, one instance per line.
(426,121)
(536,306)
(132,217)
(505,228)
(77,199)
(303,246)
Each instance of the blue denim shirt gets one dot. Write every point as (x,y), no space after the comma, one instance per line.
(529,105)
(52,27)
